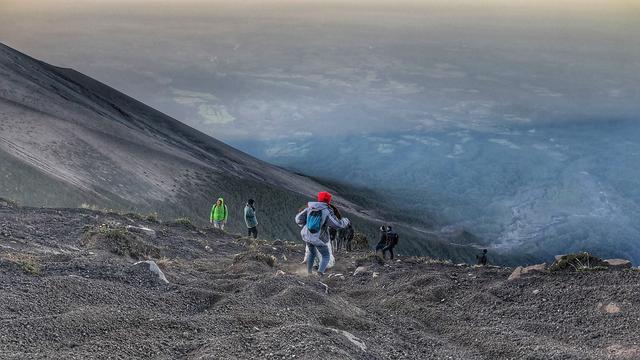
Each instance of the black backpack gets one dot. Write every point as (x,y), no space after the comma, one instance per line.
(392,239)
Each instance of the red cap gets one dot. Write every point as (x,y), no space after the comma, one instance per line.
(324,196)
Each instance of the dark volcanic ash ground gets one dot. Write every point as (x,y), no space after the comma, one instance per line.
(69,290)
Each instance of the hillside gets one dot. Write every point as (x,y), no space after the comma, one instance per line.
(68,140)
(70,289)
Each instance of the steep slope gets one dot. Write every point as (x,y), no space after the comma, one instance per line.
(69,289)
(66,139)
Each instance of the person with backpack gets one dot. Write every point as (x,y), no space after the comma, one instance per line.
(383,239)
(219,214)
(392,241)
(250,218)
(316,220)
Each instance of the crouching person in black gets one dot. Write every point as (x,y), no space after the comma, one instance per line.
(392,241)
(388,240)
(482,259)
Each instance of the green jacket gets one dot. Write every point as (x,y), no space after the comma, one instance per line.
(219,213)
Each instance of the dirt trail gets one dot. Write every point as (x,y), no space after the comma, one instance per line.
(69,290)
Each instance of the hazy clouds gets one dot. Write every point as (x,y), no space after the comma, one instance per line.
(275,69)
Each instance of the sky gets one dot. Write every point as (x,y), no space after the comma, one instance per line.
(269,70)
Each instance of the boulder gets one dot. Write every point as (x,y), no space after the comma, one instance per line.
(618,263)
(609,308)
(537,267)
(152,268)
(516,274)
(519,271)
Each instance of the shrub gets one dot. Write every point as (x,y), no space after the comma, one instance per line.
(184,221)
(360,242)
(122,242)
(89,207)
(164,262)
(582,261)
(30,267)
(28,264)
(116,234)
(8,203)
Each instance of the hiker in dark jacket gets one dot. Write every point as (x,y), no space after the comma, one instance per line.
(392,241)
(250,218)
(316,220)
(383,238)
(333,236)
(482,258)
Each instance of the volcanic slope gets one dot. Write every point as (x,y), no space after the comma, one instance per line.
(67,140)
(70,289)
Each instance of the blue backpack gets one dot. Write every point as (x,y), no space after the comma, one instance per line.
(314,221)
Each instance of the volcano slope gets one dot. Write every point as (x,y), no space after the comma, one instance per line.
(69,290)
(68,140)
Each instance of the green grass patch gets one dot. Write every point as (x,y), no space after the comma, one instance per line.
(581,261)
(184,221)
(27,263)
(120,241)
(153,217)
(8,203)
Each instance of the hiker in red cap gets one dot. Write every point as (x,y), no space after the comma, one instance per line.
(324,197)
(316,220)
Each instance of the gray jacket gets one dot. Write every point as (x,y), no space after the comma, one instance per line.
(250,216)
(329,219)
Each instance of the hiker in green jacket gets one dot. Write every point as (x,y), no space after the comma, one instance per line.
(219,214)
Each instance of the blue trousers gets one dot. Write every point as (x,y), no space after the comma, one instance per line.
(324,257)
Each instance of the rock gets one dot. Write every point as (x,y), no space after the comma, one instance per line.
(618,263)
(516,274)
(354,340)
(153,268)
(609,308)
(519,271)
(141,230)
(537,267)
(624,352)
(360,270)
